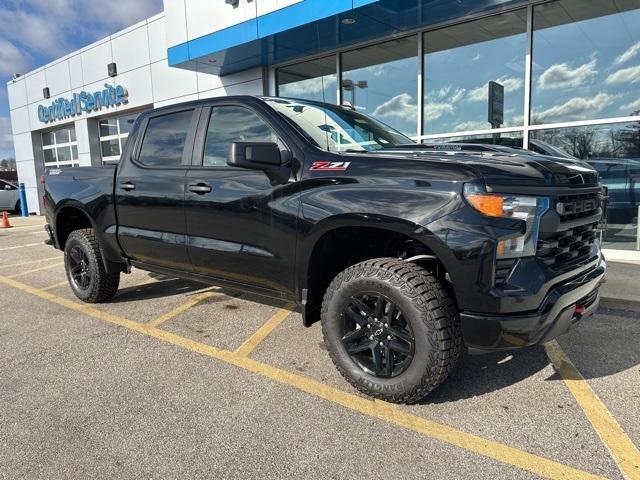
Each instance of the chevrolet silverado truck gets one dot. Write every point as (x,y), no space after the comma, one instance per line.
(407,254)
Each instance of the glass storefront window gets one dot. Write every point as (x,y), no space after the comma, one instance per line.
(382,81)
(586,60)
(312,80)
(459,63)
(510,139)
(113,136)
(614,151)
(60,148)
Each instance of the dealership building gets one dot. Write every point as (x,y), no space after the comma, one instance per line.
(568,71)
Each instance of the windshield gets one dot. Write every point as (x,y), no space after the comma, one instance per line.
(337,129)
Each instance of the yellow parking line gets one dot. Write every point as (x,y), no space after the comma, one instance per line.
(178,310)
(55,285)
(247,347)
(47,267)
(376,409)
(620,446)
(31,262)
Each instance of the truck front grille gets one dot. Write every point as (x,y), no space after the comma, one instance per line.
(572,207)
(562,249)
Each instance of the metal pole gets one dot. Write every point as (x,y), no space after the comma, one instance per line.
(24,210)
(638,230)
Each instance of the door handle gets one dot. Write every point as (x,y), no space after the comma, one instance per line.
(200,188)
(128,186)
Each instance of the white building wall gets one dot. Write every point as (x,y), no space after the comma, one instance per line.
(190,19)
(140,53)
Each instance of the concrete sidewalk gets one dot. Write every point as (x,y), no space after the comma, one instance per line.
(623,283)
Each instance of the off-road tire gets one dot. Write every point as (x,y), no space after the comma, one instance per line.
(429,307)
(103,286)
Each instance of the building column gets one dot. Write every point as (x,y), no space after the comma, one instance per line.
(88,142)
(27,170)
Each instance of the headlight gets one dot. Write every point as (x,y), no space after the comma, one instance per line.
(529,209)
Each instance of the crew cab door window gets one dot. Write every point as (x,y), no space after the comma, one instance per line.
(229,124)
(164,139)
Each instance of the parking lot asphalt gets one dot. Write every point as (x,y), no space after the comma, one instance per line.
(173,379)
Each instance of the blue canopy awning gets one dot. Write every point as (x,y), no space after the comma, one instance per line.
(314,26)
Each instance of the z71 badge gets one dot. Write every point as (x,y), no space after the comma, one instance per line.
(330,166)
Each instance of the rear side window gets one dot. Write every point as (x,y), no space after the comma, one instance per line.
(164,139)
(229,124)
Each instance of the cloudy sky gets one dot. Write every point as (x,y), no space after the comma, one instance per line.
(35,32)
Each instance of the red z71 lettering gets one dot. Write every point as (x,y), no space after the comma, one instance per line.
(330,166)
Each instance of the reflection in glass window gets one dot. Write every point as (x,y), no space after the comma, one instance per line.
(586,60)
(459,63)
(312,80)
(62,135)
(337,129)
(233,124)
(510,139)
(382,81)
(164,139)
(614,151)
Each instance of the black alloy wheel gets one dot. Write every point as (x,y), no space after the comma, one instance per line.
(85,268)
(377,336)
(79,268)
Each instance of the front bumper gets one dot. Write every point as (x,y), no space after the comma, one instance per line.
(564,305)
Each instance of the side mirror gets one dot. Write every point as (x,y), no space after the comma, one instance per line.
(254,155)
(8,187)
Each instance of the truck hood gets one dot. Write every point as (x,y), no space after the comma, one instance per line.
(509,169)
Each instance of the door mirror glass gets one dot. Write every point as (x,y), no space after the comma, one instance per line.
(254,155)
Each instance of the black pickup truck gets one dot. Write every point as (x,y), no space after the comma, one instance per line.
(407,253)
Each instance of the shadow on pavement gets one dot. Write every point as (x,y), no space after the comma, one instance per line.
(479,374)
(603,345)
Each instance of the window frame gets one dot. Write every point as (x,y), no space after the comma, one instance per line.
(119,136)
(187,150)
(203,127)
(53,147)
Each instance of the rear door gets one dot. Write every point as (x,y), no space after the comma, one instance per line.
(241,226)
(150,190)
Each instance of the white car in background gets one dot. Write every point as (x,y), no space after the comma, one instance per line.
(9,197)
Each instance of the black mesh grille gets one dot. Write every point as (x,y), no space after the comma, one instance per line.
(571,207)
(560,249)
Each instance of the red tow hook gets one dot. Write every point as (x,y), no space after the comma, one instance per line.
(580,309)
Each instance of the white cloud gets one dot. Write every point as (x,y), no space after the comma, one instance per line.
(470,125)
(442,102)
(578,108)
(11,59)
(401,106)
(633,106)
(561,75)
(308,87)
(55,27)
(631,52)
(477,57)
(626,75)
(481,94)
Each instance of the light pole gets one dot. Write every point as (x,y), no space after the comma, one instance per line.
(351,86)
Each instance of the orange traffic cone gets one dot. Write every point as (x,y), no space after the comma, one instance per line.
(5,220)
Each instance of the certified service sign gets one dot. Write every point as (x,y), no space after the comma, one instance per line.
(83,102)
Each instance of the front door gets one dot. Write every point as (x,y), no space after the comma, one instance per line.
(240,226)
(150,190)
(8,196)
